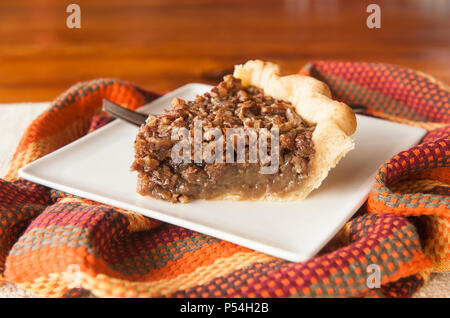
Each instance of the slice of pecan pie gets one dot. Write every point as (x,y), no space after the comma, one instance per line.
(255,136)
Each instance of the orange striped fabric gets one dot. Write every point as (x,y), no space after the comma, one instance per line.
(57,245)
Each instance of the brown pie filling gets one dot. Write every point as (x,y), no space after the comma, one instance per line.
(228,105)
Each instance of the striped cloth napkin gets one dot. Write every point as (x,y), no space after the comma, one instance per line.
(58,245)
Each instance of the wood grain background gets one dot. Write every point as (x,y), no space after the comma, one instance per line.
(161,45)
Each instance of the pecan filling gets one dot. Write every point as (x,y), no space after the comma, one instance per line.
(228,105)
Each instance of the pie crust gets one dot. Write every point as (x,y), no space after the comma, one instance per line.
(335,121)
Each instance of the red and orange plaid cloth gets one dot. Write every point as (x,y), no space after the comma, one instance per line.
(404,228)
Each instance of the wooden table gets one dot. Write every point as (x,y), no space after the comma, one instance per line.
(163,44)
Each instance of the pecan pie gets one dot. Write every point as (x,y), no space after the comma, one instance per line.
(255,136)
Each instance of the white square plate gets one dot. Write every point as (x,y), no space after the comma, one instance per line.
(97,167)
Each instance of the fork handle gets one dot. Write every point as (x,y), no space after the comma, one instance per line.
(124,113)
